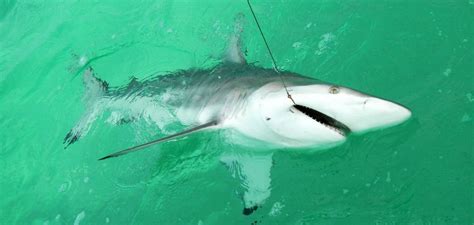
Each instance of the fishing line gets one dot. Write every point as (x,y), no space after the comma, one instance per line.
(275,66)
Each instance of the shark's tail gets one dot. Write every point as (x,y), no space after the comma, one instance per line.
(95,89)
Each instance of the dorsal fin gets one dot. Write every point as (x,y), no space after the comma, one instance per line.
(234,48)
(167,138)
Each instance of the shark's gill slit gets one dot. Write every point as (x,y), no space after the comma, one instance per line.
(324,119)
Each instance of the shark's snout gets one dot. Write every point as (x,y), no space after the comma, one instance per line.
(379,113)
(393,112)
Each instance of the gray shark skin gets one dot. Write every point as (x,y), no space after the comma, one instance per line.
(248,100)
(224,88)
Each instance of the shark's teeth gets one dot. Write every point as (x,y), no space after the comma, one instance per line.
(324,119)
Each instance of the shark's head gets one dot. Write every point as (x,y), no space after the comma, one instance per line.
(322,114)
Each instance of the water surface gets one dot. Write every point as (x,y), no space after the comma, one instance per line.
(417,53)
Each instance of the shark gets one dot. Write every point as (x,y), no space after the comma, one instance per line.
(247,101)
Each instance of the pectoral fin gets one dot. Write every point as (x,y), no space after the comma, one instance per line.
(167,138)
(254,173)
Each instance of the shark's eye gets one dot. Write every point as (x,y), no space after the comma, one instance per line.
(334,90)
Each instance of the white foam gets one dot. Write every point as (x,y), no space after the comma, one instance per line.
(276,209)
(447,72)
(79,218)
(297,45)
(323,45)
(82,60)
(65,186)
(466,118)
(469,97)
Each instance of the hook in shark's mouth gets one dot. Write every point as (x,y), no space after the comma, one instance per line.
(324,119)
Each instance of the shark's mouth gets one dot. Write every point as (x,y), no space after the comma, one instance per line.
(324,119)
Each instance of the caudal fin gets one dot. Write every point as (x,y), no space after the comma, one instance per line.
(95,89)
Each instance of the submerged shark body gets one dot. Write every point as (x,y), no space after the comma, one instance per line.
(247,100)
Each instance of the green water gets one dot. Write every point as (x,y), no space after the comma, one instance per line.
(418,53)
